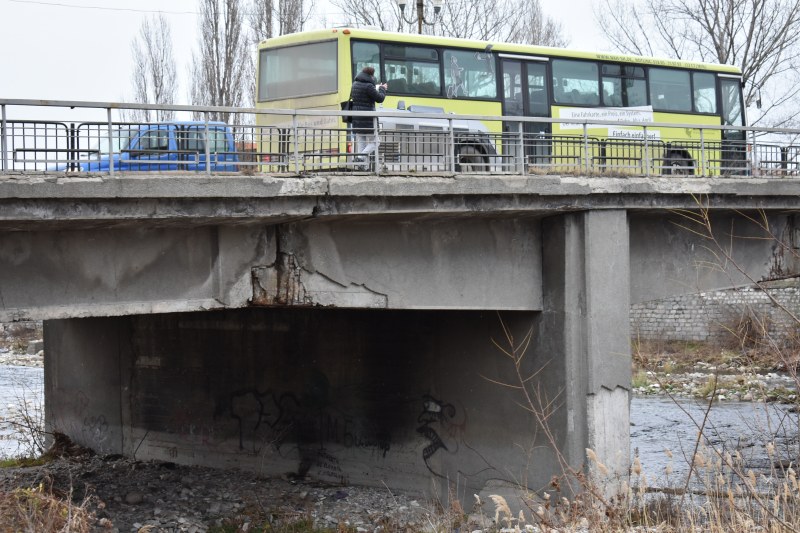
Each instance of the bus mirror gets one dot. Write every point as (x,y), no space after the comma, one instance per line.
(401,105)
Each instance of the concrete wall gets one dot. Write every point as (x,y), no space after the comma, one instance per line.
(413,399)
(720,315)
(585,329)
(86,382)
(673,254)
(406,398)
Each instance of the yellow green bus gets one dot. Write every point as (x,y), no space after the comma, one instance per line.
(314,70)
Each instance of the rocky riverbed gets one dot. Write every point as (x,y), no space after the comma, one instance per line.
(147,497)
(707,372)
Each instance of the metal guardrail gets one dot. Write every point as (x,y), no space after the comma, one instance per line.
(305,141)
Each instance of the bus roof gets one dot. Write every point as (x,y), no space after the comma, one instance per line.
(499,47)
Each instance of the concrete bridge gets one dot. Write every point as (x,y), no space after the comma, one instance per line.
(353,328)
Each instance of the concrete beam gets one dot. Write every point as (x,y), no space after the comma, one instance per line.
(58,201)
(474,263)
(100,272)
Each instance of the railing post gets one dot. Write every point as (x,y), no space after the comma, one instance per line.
(451,163)
(753,157)
(375,123)
(646,152)
(110,145)
(208,141)
(586,147)
(72,145)
(521,153)
(702,152)
(3,137)
(296,149)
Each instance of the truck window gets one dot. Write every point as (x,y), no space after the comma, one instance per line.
(154,140)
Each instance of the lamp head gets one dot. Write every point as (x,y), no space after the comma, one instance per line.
(437,6)
(402,5)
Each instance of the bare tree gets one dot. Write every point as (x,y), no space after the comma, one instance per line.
(759,36)
(381,14)
(270,18)
(536,27)
(223,69)
(521,21)
(154,79)
(507,20)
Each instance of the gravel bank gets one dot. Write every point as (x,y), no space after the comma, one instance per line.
(153,496)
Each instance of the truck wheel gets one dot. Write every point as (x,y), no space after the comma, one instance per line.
(470,159)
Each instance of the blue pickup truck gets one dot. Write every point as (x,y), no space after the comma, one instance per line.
(167,146)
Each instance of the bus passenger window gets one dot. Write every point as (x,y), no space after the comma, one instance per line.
(670,90)
(366,55)
(612,92)
(469,74)
(420,68)
(623,86)
(576,82)
(705,92)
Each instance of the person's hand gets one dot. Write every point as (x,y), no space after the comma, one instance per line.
(385,86)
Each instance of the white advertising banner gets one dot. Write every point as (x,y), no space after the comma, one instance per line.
(617,132)
(641,114)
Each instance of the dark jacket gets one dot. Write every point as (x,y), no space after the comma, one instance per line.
(364,96)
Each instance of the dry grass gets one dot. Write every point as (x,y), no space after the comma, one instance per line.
(677,356)
(719,494)
(40,510)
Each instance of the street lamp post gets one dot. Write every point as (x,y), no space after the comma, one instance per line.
(437,8)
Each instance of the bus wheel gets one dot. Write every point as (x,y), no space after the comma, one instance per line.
(470,159)
(678,164)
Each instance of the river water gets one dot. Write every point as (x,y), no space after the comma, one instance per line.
(660,427)
(657,425)
(21,387)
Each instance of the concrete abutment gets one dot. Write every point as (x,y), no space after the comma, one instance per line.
(407,397)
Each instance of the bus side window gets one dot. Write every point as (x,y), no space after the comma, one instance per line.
(397,85)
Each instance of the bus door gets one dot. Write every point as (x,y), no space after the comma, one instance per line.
(525,93)
(734,144)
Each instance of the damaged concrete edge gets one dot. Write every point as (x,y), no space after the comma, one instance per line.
(287,283)
(54,312)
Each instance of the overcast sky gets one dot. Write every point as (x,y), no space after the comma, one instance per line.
(80,50)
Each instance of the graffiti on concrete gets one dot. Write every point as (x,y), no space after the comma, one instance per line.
(185,424)
(437,424)
(262,417)
(328,467)
(267,418)
(94,427)
(445,427)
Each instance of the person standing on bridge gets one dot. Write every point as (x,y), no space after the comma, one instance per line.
(365,93)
